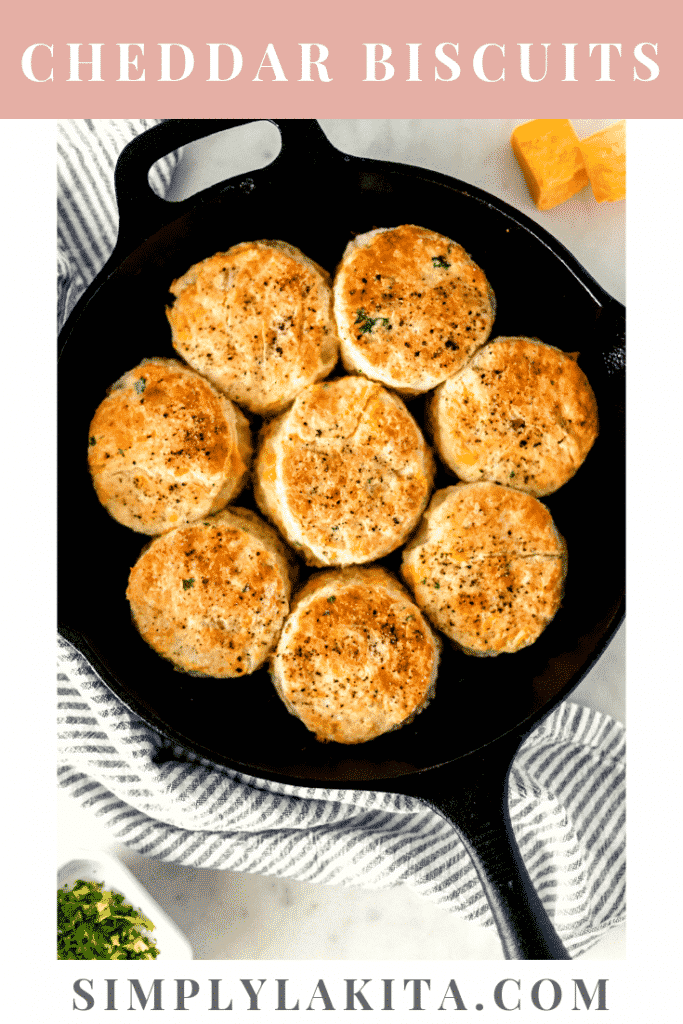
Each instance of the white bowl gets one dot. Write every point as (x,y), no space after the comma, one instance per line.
(103,867)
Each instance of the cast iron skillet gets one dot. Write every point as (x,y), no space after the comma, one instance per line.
(457,753)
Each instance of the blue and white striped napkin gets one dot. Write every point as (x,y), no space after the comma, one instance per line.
(567,785)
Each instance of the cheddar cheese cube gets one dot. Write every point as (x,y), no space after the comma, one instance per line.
(548,153)
(604,157)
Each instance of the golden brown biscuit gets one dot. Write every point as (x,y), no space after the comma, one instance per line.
(212,597)
(356,657)
(521,413)
(411,306)
(165,447)
(257,321)
(345,474)
(487,566)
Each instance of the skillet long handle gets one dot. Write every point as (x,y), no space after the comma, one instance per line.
(478,809)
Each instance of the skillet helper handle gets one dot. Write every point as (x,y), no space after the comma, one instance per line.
(478,809)
(142,212)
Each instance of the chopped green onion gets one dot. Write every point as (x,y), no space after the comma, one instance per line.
(97,925)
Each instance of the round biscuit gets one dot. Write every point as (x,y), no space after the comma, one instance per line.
(356,657)
(257,321)
(166,448)
(345,473)
(411,306)
(211,597)
(487,566)
(521,413)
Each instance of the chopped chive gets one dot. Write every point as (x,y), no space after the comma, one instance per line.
(366,323)
(97,925)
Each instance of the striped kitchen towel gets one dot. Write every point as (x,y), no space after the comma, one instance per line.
(87,218)
(566,803)
(567,783)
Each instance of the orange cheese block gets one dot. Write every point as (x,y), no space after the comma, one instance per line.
(548,153)
(604,157)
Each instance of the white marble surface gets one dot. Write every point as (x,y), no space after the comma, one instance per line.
(227,915)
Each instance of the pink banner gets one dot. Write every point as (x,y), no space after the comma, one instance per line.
(358,58)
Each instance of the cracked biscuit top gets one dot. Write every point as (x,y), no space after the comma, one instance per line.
(166,448)
(521,413)
(257,321)
(411,307)
(487,566)
(345,474)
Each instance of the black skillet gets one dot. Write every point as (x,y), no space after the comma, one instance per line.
(457,753)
